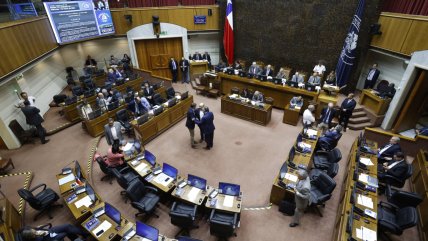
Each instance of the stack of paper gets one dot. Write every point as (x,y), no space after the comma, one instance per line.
(291,177)
(140,167)
(104,226)
(86,201)
(193,193)
(163,179)
(363,178)
(311,132)
(366,161)
(365,201)
(68,178)
(228,201)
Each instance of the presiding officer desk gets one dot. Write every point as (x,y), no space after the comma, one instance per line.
(241,109)
(281,94)
(279,192)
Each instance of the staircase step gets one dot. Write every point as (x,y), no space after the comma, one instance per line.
(358,114)
(358,108)
(360,126)
(359,120)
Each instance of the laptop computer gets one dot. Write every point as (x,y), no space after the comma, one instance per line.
(143,119)
(147,232)
(185,95)
(158,110)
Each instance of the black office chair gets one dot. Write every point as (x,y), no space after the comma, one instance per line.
(235,90)
(144,198)
(158,99)
(170,93)
(45,227)
(223,224)
(323,159)
(331,171)
(105,169)
(130,91)
(394,220)
(123,119)
(183,215)
(327,145)
(77,90)
(124,177)
(43,201)
(401,198)
(395,181)
(322,187)
(89,84)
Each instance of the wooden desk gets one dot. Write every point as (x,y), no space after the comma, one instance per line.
(281,94)
(95,127)
(82,212)
(235,208)
(143,168)
(374,103)
(165,189)
(11,220)
(198,67)
(66,187)
(323,100)
(291,116)
(246,111)
(419,184)
(198,199)
(158,124)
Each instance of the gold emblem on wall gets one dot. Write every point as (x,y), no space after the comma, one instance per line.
(159,61)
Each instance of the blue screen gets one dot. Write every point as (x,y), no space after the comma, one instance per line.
(79,20)
(24,10)
(146,231)
(169,170)
(150,158)
(197,182)
(229,188)
(112,212)
(78,170)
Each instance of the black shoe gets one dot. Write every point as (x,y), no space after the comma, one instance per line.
(45,141)
(207,148)
(292,225)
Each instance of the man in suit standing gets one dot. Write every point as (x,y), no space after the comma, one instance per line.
(113,132)
(34,118)
(388,151)
(197,56)
(372,77)
(173,66)
(206,56)
(184,67)
(190,123)
(207,123)
(327,115)
(268,71)
(308,116)
(397,167)
(301,197)
(346,109)
(199,113)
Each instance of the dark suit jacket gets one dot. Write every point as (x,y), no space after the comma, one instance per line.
(186,65)
(390,151)
(131,107)
(324,112)
(111,77)
(398,170)
(149,92)
(269,74)
(176,65)
(348,106)
(331,136)
(190,122)
(375,76)
(32,115)
(246,94)
(207,123)
(423,131)
(207,57)
(197,57)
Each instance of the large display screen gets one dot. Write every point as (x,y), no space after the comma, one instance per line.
(23,10)
(79,20)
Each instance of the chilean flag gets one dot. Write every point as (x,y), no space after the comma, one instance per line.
(228,41)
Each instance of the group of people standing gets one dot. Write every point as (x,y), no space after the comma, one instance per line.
(184,66)
(204,119)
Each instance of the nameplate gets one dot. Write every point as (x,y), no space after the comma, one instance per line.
(200,19)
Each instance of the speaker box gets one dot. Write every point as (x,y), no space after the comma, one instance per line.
(128,18)
(210,12)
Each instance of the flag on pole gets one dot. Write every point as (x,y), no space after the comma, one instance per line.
(347,56)
(228,41)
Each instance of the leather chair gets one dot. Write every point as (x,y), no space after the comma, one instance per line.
(144,198)
(392,219)
(183,215)
(43,201)
(326,145)
(322,187)
(397,182)
(105,169)
(89,84)
(401,198)
(77,90)
(235,90)
(123,119)
(158,99)
(331,171)
(269,100)
(323,159)
(223,224)
(124,177)
(170,93)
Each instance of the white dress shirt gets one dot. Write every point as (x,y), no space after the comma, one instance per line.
(320,69)
(31,99)
(308,117)
(113,132)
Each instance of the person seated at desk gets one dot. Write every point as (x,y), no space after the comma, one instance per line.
(85,109)
(111,76)
(308,116)
(115,158)
(387,151)
(246,93)
(281,74)
(90,62)
(115,95)
(319,68)
(148,92)
(422,132)
(206,56)
(332,136)
(113,60)
(389,92)
(126,59)
(102,102)
(113,132)
(137,107)
(258,97)
(220,66)
(197,56)
(254,69)
(331,78)
(268,71)
(397,167)
(296,101)
(56,233)
(314,80)
(297,78)
(327,115)
(237,65)
(118,74)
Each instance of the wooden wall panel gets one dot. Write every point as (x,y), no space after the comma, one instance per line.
(394,32)
(24,42)
(182,16)
(416,38)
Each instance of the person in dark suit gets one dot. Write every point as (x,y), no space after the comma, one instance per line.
(113,132)
(397,167)
(137,107)
(268,71)
(34,118)
(258,97)
(190,124)
(389,92)
(237,65)
(330,138)
(199,113)
(111,77)
(197,56)
(387,151)
(254,69)
(56,233)
(422,132)
(90,61)
(184,67)
(246,93)
(327,115)
(372,76)
(346,109)
(148,92)
(207,123)
(206,56)
(173,66)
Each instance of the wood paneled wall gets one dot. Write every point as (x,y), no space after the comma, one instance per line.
(24,41)
(402,33)
(182,16)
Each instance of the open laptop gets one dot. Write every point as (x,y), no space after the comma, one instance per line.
(229,189)
(197,182)
(147,232)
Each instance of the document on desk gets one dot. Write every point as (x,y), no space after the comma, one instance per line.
(368,234)
(363,178)
(141,167)
(127,147)
(228,201)
(193,193)
(366,161)
(311,132)
(290,177)
(68,178)
(86,201)
(105,225)
(163,179)
(365,201)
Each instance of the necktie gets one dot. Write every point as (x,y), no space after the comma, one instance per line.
(327,115)
(173,65)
